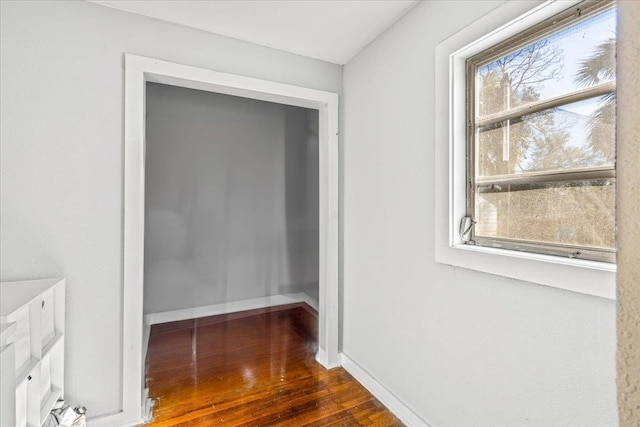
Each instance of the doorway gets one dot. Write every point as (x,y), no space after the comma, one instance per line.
(231,204)
(139,71)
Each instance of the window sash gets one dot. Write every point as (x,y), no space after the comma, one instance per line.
(544,29)
(578,252)
(582,174)
(596,253)
(475,122)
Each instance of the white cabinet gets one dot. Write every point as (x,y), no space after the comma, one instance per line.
(32,350)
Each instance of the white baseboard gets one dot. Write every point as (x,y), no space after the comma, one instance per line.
(311,302)
(323,359)
(117,419)
(228,307)
(388,399)
(112,420)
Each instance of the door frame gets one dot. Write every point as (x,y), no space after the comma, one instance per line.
(138,71)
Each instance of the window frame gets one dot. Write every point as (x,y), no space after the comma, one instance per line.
(573,15)
(578,275)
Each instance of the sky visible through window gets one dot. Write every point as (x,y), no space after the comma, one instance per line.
(577,44)
(543,70)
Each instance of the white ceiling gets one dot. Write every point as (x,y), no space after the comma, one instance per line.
(331,30)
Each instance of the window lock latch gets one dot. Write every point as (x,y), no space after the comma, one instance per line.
(466,224)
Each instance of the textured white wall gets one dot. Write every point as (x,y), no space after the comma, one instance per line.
(62,79)
(628,356)
(459,347)
(231,199)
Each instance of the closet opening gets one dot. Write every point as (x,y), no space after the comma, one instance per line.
(206,230)
(231,226)
(231,204)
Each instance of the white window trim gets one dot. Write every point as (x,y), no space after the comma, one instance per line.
(583,276)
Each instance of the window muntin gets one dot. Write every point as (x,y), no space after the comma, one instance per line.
(567,126)
(541,137)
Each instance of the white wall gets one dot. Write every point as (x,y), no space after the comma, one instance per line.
(231,199)
(62,81)
(459,347)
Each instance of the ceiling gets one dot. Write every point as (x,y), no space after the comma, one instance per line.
(330,30)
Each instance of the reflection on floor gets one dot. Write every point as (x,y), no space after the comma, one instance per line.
(252,368)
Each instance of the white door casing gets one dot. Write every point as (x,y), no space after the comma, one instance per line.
(138,71)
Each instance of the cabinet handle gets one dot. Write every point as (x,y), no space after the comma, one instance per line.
(42,303)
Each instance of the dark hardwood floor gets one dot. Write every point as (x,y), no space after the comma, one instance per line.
(254,368)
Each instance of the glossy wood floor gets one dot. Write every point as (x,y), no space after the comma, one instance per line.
(252,369)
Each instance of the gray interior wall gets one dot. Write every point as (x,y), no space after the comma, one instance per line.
(231,207)
(61,158)
(302,172)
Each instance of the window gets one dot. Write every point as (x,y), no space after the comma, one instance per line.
(541,182)
(541,138)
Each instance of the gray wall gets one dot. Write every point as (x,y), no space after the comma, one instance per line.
(61,152)
(459,347)
(231,199)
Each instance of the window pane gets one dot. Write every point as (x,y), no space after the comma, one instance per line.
(580,56)
(578,213)
(576,135)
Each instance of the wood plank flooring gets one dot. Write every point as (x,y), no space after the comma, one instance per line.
(253,368)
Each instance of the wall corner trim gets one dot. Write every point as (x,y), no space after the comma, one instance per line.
(388,399)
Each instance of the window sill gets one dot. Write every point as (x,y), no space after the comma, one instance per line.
(582,276)
(579,263)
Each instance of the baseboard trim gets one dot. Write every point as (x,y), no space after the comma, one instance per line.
(118,418)
(112,420)
(228,307)
(388,399)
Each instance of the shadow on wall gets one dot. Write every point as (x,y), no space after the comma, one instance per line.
(302,206)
